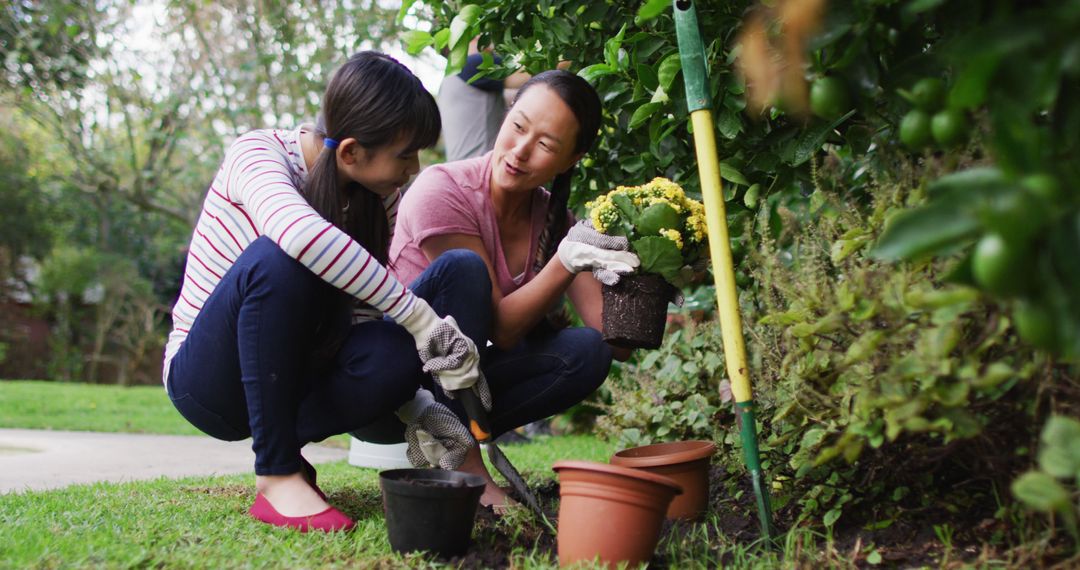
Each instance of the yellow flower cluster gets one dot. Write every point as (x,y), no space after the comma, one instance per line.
(606,215)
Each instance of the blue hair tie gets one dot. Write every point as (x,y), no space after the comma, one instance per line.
(330,143)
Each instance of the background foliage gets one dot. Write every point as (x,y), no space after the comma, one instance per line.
(116,115)
(868,150)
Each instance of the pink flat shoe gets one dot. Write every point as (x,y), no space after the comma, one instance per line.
(330,520)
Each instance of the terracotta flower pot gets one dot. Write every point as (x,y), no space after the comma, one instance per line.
(610,512)
(635,311)
(685,462)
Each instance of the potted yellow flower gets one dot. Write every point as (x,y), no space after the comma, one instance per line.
(666,229)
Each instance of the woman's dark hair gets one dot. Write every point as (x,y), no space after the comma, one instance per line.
(585,104)
(376,100)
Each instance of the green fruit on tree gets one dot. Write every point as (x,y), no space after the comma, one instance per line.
(1036,325)
(1043,185)
(1016,216)
(928,94)
(949,127)
(915,129)
(829,98)
(587,162)
(1001,267)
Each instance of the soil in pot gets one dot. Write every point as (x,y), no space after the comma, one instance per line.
(635,311)
(430,509)
(610,513)
(685,462)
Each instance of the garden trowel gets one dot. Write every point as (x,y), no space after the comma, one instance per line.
(481,430)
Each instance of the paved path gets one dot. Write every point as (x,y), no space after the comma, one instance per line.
(39,459)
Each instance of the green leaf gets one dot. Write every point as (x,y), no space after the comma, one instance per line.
(647,77)
(729,124)
(416,41)
(650,10)
(970,88)
(658,255)
(442,37)
(668,69)
(642,114)
(461,24)
(832,516)
(657,217)
(1059,454)
(972,182)
(926,230)
(1041,492)
(405,5)
(596,71)
(732,174)
(458,56)
(811,140)
(611,48)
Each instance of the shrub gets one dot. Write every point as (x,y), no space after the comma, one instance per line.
(876,384)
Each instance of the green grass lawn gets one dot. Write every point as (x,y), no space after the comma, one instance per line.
(201,522)
(88,407)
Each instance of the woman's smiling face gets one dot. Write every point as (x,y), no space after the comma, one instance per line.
(535,143)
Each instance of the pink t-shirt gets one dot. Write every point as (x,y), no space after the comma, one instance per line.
(455,198)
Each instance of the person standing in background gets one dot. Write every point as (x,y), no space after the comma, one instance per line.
(473,112)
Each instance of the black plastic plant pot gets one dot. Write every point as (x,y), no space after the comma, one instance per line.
(635,311)
(430,509)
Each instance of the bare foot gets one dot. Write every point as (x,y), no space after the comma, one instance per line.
(290,495)
(494,496)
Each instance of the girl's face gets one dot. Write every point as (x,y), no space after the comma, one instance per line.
(382,169)
(535,142)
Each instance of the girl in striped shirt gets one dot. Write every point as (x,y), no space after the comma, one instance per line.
(278,332)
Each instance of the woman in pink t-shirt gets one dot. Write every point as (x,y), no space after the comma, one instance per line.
(497,244)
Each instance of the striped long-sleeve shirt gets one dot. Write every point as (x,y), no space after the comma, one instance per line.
(256,193)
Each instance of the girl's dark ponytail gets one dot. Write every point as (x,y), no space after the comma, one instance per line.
(374,99)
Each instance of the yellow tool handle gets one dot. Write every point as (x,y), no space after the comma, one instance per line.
(720,252)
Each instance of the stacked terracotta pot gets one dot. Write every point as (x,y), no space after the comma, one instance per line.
(613,512)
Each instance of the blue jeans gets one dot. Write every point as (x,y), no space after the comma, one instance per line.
(248,366)
(542,375)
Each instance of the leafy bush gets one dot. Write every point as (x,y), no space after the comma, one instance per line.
(870,378)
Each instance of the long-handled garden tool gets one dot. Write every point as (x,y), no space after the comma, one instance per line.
(478,425)
(695,76)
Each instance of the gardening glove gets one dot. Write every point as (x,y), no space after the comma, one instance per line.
(607,256)
(434,434)
(448,355)
(445,356)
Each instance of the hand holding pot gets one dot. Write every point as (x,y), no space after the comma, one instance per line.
(607,256)
(434,434)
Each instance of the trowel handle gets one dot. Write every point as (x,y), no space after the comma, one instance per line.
(478,421)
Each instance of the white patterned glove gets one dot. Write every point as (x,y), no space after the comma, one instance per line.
(446,358)
(607,256)
(436,437)
(446,352)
